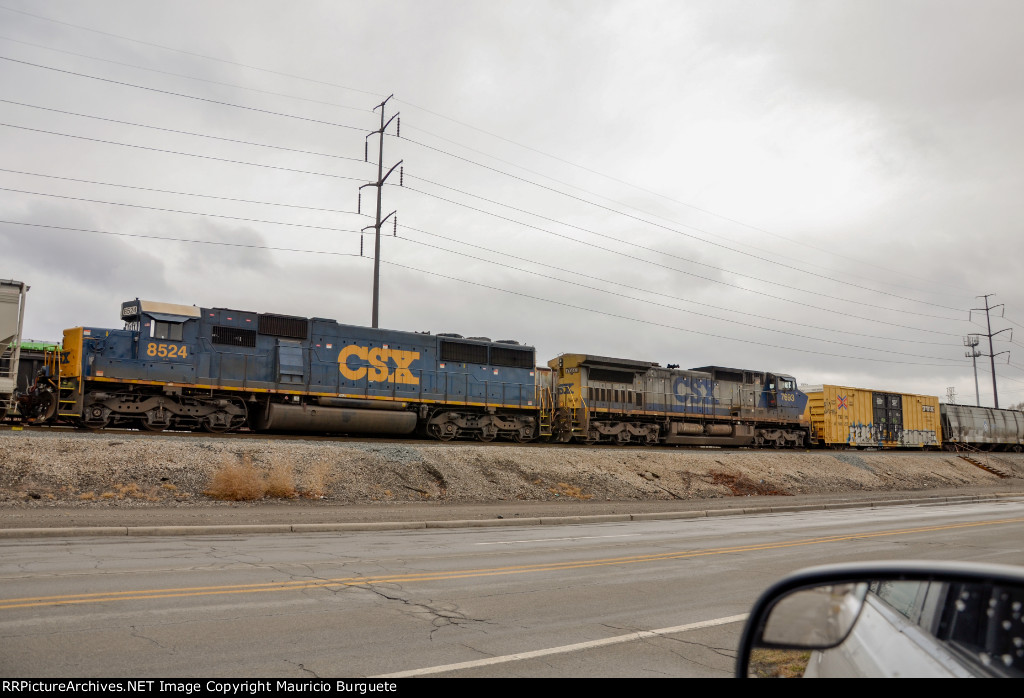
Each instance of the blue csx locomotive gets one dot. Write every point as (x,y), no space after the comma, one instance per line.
(184,367)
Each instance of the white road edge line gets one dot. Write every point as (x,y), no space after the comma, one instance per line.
(564,648)
(548,540)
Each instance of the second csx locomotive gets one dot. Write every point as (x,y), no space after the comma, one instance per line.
(218,369)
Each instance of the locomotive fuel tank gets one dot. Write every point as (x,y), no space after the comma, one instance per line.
(336,420)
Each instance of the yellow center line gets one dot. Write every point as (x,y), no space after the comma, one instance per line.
(264,587)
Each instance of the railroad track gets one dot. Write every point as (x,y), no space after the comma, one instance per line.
(428,442)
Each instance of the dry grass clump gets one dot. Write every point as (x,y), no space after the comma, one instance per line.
(238,482)
(280,481)
(564,489)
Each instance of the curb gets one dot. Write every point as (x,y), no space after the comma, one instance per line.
(239,529)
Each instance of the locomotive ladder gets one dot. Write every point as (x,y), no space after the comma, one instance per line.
(68,398)
(68,403)
(547,408)
(578,413)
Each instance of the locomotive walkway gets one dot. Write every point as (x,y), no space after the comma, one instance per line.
(293,517)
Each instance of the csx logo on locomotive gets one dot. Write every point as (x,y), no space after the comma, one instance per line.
(378,371)
(684,388)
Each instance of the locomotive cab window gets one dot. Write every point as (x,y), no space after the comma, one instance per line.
(166,330)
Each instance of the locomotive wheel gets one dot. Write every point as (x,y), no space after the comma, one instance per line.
(47,406)
(216,423)
(444,432)
(153,427)
(521,435)
(488,432)
(96,417)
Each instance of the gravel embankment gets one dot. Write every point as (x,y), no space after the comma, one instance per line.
(50,469)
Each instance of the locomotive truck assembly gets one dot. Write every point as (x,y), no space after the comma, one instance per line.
(221,370)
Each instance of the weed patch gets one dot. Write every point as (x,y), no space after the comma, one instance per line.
(742,486)
(564,489)
(237,482)
(280,481)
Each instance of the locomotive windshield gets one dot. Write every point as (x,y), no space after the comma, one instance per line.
(167,330)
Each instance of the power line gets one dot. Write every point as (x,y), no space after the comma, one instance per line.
(188,53)
(189,240)
(178,152)
(460,242)
(428,111)
(678,232)
(669,254)
(688,330)
(172,210)
(675,269)
(180,193)
(461,204)
(187,77)
(631,185)
(185,133)
(822,276)
(648,303)
(88,116)
(181,94)
(588,275)
(435,247)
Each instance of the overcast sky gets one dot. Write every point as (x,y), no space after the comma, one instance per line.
(815,188)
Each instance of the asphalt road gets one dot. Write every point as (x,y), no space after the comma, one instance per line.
(629,599)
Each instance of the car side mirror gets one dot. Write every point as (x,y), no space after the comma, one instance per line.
(888,619)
